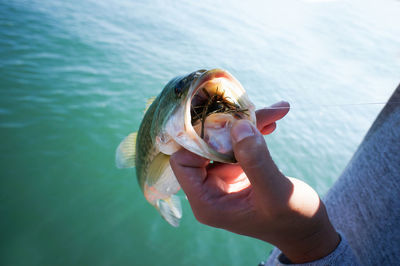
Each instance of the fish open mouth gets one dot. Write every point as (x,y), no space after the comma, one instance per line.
(217,100)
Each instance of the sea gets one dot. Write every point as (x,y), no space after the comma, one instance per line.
(75,77)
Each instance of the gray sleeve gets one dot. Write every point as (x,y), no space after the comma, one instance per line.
(342,255)
(363,205)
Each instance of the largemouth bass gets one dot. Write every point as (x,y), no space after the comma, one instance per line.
(195,111)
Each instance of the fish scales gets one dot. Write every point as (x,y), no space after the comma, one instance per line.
(167,126)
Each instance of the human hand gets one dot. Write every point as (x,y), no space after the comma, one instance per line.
(253,197)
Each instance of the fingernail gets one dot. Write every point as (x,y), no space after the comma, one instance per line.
(241,130)
(279,104)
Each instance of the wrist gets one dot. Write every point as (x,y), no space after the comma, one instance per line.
(316,242)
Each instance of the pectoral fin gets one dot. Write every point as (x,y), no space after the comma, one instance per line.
(158,170)
(126,151)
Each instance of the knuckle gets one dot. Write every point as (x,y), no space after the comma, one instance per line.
(203,218)
(206,216)
(174,159)
(205,211)
(252,153)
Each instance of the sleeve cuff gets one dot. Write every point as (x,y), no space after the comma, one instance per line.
(342,255)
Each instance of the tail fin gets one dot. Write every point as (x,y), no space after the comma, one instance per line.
(170,209)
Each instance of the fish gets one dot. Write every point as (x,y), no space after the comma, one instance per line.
(193,111)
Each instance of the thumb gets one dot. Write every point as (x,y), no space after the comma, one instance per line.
(253,156)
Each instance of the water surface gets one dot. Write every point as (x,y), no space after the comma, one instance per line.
(75,77)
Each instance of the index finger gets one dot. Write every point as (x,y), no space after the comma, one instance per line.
(266,117)
(190,171)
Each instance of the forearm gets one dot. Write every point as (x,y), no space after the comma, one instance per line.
(305,233)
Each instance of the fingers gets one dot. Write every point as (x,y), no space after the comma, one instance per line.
(252,154)
(190,171)
(268,129)
(189,159)
(226,172)
(266,117)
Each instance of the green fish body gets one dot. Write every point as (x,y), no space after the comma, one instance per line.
(194,111)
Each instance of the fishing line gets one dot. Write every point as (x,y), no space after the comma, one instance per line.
(333,105)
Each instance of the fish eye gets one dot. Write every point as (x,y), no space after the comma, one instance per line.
(179,87)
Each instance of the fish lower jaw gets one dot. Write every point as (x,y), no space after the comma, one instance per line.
(213,109)
(216,132)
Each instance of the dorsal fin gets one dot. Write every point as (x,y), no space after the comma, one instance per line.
(126,152)
(148,103)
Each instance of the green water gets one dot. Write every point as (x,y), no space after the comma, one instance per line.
(74,80)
